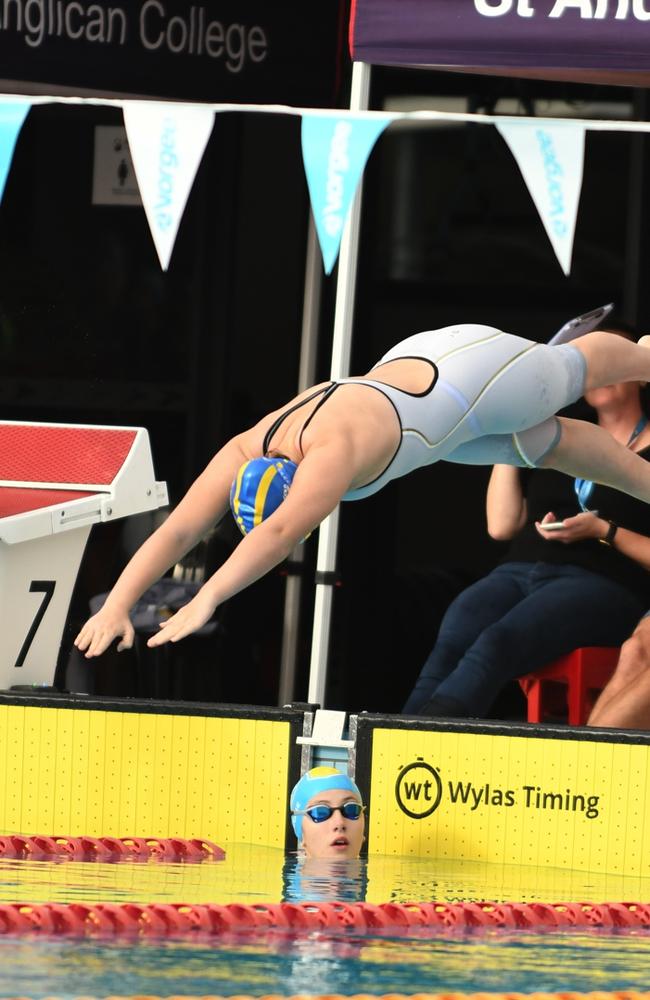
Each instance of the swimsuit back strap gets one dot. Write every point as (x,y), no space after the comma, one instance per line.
(296,406)
(327,392)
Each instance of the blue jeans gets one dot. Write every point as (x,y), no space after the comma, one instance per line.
(518,618)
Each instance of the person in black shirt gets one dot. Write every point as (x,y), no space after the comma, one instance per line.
(583,581)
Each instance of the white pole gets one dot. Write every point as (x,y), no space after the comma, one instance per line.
(341,348)
(306,377)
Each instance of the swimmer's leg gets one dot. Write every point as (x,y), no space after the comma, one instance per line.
(572,446)
(611,358)
(525,449)
(590,452)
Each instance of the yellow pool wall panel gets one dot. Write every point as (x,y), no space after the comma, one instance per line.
(507,799)
(71,771)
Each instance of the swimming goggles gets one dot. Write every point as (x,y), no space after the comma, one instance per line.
(318,814)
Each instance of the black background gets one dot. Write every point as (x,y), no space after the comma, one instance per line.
(302,66)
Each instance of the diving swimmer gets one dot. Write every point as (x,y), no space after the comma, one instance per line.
(470,394)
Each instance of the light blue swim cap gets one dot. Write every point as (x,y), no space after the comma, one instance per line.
(314,782)
(258,489)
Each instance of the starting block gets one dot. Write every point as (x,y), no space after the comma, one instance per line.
(56,481)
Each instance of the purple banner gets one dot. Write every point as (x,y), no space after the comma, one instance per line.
(573,35)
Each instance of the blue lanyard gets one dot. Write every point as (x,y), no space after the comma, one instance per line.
(584,487)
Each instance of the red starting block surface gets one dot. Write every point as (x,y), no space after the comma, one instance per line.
(56,481)
(19,499)
(52,453)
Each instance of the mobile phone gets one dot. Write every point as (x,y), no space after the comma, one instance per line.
(582,324)
(553,525)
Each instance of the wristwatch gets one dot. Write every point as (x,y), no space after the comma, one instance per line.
(611,532)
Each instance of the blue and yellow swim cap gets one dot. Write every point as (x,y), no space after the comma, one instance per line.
(314,782)
(258,489)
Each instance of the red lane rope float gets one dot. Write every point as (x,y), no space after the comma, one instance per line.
(600,995)
(111,849)
(214,919)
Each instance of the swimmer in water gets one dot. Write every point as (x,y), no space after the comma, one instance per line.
(327,814)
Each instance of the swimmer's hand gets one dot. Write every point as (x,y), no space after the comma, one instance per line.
(188,619)
(99,632)
(576,529)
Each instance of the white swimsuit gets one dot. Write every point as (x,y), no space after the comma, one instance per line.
(492,399)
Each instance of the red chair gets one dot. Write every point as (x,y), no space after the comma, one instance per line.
(583,673)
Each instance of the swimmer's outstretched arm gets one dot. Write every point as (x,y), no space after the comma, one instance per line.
(322,478)
(202,506)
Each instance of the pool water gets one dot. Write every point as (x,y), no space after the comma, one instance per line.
(266,875)
(343,961)
(325,963)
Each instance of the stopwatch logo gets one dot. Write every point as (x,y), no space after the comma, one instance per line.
(418,789)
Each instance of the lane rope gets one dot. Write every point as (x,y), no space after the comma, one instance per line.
(210,919)
(599,995)
(109,849)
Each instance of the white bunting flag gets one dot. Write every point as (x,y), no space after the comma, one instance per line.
(167,142)
(551,156)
